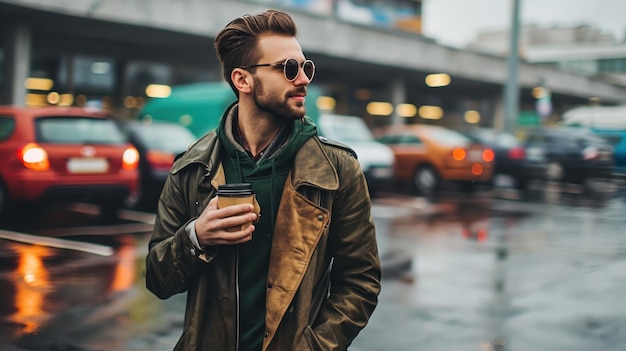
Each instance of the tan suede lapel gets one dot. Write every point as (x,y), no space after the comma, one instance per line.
(299,226)
(219,178)
(298,229)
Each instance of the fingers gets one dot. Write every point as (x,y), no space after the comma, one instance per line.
(224,237)
(225,226)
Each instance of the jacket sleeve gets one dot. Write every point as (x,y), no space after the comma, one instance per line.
(173,262)
(356,271)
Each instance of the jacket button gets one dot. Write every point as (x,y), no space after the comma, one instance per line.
(267,334)
(192,252)
(320,218)
(270,285)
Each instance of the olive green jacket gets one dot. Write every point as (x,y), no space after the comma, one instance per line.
(324,273)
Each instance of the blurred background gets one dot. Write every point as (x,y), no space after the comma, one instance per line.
(492,134)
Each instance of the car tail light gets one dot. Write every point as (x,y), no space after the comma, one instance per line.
(34,157)
(130,159)
(458,153)
(488,155)
(590,153)
(160,159)
(477,169)
(517,153)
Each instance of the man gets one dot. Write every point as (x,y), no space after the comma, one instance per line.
(306,275)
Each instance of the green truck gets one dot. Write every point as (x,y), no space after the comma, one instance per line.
(200,106)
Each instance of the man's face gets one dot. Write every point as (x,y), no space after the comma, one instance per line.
(272,92)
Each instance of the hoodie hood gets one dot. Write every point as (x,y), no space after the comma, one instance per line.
(278,155)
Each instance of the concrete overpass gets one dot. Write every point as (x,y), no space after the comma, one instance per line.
(390,64)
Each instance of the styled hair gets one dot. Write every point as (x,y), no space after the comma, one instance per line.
(236,44)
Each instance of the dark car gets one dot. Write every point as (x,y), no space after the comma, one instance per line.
(617,138)
(65,154)
(575,155)
(513,159)
(158,144)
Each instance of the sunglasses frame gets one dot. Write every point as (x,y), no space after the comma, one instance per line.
(284,66)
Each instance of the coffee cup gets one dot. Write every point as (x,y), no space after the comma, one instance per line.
(234,194)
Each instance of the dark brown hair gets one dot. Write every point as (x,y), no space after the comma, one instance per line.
(236,44)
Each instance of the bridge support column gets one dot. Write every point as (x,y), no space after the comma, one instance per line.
(398,96)
(16,66)
(498,112)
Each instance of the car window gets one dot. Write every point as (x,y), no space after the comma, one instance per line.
(614,139)
(165,137)
(387,139)
(77,130)
(7,125)
(507,140)
(449,137)
(536,138)
(346,130)
(409,139)
(400,139)
(483,136)
(491,137)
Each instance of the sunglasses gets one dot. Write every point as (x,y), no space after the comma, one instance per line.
(291,68)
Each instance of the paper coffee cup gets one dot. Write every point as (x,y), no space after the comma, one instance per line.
(234,194)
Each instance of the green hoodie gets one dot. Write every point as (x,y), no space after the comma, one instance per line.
(267,176)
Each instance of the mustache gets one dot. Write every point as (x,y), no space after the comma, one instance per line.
(301,90)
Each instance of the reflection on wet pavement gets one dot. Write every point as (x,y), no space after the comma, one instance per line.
(460,273)
(31,282)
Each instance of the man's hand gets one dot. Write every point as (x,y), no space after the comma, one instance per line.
(212,223)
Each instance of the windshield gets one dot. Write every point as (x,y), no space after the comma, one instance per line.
(448,137)
(78,130)
(346,130)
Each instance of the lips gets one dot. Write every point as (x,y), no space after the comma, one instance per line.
(298,95)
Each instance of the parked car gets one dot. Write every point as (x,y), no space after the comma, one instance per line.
(61,154)
(158,143)
(575,154)
(428,155)
(376,159)
(617,138)
(512,158)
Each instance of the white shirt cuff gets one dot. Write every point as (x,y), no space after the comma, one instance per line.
(191,231)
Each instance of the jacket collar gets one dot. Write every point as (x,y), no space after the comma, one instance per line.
(311,166)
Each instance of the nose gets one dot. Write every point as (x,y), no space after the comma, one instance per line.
(302,79)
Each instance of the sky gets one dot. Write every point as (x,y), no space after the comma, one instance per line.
(457,22)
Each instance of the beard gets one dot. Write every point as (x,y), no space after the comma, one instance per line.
(276,105)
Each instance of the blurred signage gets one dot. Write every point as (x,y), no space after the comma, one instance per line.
(528,118)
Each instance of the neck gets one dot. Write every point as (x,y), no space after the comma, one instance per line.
(257,129)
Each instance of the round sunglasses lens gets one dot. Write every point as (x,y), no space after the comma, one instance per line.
(291,69)
(309,69)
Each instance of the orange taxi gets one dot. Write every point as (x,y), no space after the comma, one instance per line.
(428,155)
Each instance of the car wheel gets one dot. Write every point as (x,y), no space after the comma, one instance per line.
(555,171)
(426,180)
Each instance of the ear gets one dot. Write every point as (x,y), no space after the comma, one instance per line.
(242,80)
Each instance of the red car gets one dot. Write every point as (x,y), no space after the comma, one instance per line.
(65,154)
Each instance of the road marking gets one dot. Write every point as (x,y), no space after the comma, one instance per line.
(57,243)
(99,230)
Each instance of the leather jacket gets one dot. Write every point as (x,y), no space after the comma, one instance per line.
(324,273)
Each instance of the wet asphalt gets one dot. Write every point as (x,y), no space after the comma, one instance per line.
(487,271)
